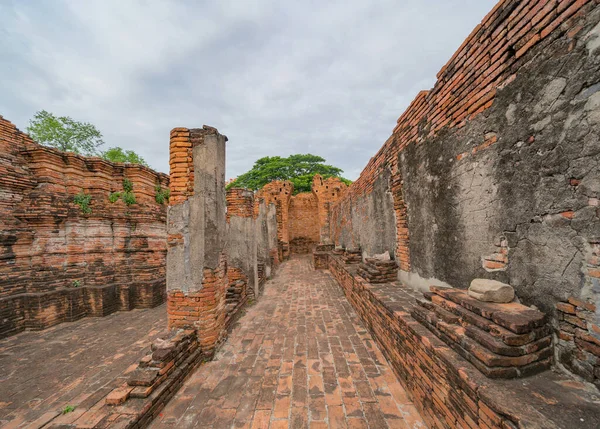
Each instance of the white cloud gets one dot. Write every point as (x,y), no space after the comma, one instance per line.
(329,78)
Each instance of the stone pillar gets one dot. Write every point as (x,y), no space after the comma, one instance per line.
(196,226)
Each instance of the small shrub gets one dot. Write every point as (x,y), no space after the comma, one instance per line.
(83,200)
(127,185)
(127,195)
(113,197)
(76,283)
(162,195)
(68,409)
(128,198)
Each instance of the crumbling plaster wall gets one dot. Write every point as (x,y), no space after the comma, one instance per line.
(367,221)
(219,243)
(513,195)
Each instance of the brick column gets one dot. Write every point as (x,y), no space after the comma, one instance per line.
(196,264)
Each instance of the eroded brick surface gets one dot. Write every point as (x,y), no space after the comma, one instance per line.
(299,358)
(75,364)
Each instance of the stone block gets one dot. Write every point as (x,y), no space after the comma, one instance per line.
(491,291)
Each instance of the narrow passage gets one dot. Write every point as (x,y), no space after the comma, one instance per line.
(299,358)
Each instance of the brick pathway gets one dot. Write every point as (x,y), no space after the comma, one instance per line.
(299,358)
(70,364)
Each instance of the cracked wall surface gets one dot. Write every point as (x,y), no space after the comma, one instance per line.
(522,208)
(495,172)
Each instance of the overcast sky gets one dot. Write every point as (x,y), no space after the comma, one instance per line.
(277,77)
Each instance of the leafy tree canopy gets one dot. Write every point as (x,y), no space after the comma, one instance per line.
(117,154)
(298,169)
(65,133)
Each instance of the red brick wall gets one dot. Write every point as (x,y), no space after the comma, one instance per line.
(466,86)
(203,310)
(240,202)
(303,220)
(59,264)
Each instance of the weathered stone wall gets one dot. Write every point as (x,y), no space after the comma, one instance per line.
(248,246)
(57,263)
(494,172)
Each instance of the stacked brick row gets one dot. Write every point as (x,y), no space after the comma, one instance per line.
(149,387)
(486,61)
(181,165)
(378,271)
(501,340)
(301,245)
(320,255)
(60,264)
(579,338)
(352,256)
(240,203)
(237,291)
(206,307)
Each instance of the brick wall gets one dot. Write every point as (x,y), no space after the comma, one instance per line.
(303,223)
(578,334)
(491,171)
(240,203)
(203,310)
(59,264)
(487,61)
(217,239)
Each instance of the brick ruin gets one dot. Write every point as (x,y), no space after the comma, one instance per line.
(221,245)
(60,264)
(493,174)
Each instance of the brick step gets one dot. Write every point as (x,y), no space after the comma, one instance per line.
(488,363)
(484,338)
(515,317)
(507,337)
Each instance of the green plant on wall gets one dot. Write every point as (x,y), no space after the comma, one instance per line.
(83,200)
(162,195)
(126,195)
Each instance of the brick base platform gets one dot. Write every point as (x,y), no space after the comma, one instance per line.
(37,311)
(449,391)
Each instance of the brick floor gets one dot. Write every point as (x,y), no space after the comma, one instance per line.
(299,358)
(70,364)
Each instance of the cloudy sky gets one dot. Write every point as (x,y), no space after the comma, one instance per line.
(277,77)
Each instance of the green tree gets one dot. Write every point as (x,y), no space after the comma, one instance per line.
(117,154)
(64,133)
(298,169)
